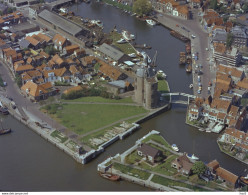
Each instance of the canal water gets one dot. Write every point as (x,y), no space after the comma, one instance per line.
(30,163)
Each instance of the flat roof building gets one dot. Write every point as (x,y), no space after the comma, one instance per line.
(60,22)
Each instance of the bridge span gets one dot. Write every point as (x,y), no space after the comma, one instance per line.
(179,94)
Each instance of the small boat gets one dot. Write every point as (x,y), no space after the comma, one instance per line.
(5,131)
(135,60)
(151,22)
(132,55)
(121,41)
(189,68)
(127,36)
(244,180)
(97,22)
(160,72)
(174,147)
(146,57)
(201,129)
(192,157)
(110,176)
(191,86)
(4,111)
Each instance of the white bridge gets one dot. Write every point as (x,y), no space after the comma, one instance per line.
(179,94)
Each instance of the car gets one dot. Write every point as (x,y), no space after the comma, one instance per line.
(183,27)
(200,88)
(199,91)
(199,84)
(196,66)
(206,49)
(199,79)
(193,36)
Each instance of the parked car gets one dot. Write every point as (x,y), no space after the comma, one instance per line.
(199,79)
(199,91)
(193,36)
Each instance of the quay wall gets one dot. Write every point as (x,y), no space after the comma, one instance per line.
(154,114)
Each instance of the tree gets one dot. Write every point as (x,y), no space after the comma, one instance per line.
(18,80)
(9,10)
(213,4)
(142,7)
(245,7)
(229,40)
(199,168)
(50,50)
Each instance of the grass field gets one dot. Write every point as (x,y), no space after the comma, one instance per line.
(163,86)
(100,100)
(83,118)
(157,138)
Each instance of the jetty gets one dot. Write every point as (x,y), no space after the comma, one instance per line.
(144,46)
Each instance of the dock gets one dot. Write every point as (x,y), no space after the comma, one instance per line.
(144,46)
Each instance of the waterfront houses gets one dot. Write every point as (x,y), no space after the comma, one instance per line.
(174,8)
(222,174)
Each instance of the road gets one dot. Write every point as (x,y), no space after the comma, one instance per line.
(199,44)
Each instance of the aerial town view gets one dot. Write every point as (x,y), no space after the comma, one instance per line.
(124,95)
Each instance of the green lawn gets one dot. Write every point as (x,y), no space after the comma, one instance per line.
(100,100)
(131,171)
(83,118)
(157,138)
(163,86)
(124,47)
(244,102)
(133,158)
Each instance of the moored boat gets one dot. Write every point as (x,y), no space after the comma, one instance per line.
(132,55)
(121,41)
(151,22)
(244,180)
(5,131)
(4,111)
(127,36)
(174,147)
(189,68)
(191,86)
(110,176)
(192,157)
(182,58)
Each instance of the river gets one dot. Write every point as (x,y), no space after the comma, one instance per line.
(30,163)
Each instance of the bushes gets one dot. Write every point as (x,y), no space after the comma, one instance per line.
(93,91)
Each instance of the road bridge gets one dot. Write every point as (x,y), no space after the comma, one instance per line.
(179,94)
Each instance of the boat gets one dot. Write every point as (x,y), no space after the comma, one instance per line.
(179,36)
(189,68)
(201,129)
(151,22)
(146,57)
(63,10)
(174,147)
(127,36)
(121,41)
(135,60)
(161,73)
(110,176)
(191,86)
(244,180)
(192,157)
(188,48)
(4,111)
(5,131)
(97,22)
(182,58)
(132,55)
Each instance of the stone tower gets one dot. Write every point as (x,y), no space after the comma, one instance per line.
(146,86)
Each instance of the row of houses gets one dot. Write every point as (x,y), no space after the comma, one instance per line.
(184,165)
